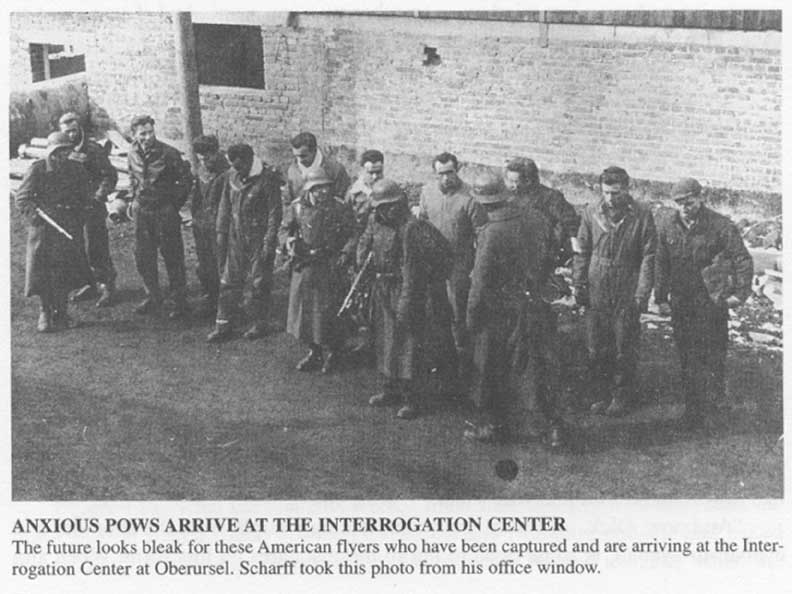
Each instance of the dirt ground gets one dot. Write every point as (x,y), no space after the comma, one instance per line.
(137,408)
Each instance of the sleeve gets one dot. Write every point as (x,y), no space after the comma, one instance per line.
(348,232)
(648,249)
(224,208)
(274,218)
(480,280)
(134,187)
(182,180)
(742,261)
(341,183)
(413,287)
(582,258)
(662,279)
(566,214)
(365,241)
(288,225)
(27,192)
(476,214)
(108,176)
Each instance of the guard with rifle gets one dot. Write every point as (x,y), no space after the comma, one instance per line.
(318,233)
(53,197)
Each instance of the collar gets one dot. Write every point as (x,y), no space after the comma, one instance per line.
(360,187)
(315,166)
(255,170)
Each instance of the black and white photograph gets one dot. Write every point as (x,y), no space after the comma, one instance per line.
(395,255)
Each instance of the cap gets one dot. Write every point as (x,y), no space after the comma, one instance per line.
(385,191)
(316,178)
(685,188)
(487,189)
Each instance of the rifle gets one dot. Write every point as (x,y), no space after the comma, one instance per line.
(355,284)
(52,223)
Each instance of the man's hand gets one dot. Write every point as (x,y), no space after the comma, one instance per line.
(733,302)
(642,305)
(664,309)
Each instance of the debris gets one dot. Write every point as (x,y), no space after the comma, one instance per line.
(763,337)
(227,444)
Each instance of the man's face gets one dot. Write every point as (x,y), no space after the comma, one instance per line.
(242,165)
(615,195)
(72,128)
(144,135)
(304,155)
(372,172)
(689,206)
(513,181)
(205,159)
(446,176)
(319,193)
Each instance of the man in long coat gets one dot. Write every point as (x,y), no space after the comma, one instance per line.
(204,201)
(703,268)
(318,232)
(160,181)
(55,264)
(411,261)
(102,178)
(613,275)
(510,324)
(248,219)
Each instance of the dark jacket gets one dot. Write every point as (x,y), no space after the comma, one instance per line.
(615,264)
(102,176)
(683,254)
(159,176)
(511,264)
(561,214)
(62,194)
(250,211)
(206,192)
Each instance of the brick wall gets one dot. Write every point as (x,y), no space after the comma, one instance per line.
(662,103)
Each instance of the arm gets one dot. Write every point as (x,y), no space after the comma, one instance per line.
(423,212)
(182,180)
(646,273)
(582,257)
(742,260)
(413,272)
(27,193)
(274,218)
(108,176)
(223,223)
(480,282)
(341,183)
(365,241)
(662,276)
(348,235)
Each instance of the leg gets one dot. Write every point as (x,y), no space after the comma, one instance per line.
(172,250)
(599,343)
(261,290)
(207,266)
(98,251)
(627,331)
(146,244)
(231,285)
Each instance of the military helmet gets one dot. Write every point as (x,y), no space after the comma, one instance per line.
(385,191)
(488,188)
(58,140)
(685,188)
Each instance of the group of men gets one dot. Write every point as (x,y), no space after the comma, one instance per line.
(460,285)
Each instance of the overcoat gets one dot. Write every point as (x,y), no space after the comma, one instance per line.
(53,261)
(317,282)
(411,263)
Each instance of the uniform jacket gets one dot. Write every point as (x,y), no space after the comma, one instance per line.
(682,255)
(206,192)
(250,210)
(317,282)
(62,194)
(102,176)
(333,169)
(457,216)
(615,264)
(563,218)
(159,176)
(511,263)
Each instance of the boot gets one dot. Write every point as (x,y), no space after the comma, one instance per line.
(409,408)
(105,295)
(83,293)
(312,361)
(44,320)
(180,310)
(221,332)
(61,319)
